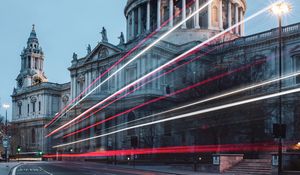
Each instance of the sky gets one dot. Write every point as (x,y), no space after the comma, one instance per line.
(67,26)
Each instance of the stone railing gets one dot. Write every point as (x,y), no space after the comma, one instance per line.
(267,35)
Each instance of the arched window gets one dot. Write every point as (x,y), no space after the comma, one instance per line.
(131,116)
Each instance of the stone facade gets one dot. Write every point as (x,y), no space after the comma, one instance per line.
(35,100)
(230,126)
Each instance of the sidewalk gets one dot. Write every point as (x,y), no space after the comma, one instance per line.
(166,169)
(5,167)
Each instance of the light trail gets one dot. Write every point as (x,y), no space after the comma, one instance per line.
(168,95)
(165,73)
(175,150)
(168,63)
(130,61)
(217,108)
(212,98)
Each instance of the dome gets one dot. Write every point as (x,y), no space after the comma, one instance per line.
(143,16)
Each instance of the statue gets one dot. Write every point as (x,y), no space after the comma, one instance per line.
(104,35)
(75,56)
(89,49)
(121,38)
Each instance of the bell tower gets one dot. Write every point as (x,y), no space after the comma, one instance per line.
(32,63)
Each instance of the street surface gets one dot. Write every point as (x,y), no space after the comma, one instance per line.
(71,168)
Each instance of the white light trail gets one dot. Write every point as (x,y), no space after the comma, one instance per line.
(213,98)
(141,53)
(234,104)
(168,63)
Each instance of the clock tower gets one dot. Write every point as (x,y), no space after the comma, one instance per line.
(32,60)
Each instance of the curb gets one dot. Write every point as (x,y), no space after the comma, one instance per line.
(10,171)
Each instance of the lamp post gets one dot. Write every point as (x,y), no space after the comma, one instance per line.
(280,9)
(6,106)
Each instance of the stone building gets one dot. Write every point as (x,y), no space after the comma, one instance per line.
(35,100)
(245,124)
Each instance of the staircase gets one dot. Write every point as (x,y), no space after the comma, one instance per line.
(252,166)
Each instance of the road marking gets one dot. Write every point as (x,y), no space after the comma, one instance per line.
(15,169)
(45,171)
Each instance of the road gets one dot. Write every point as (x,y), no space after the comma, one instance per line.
(73,168)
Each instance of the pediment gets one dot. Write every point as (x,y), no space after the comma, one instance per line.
(102,51)
(295,50)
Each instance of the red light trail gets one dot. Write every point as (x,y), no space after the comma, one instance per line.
(261,147)
(168,95)
(165,73)
(115,64)
(165,65)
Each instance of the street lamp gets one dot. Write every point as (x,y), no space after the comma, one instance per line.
(280,9)
(6,106)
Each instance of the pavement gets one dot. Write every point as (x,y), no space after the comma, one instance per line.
(5,167)
(87,168)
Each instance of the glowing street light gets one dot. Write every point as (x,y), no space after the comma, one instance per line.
(280,9)
(5,106)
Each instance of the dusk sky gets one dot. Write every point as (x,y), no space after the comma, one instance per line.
(67,26)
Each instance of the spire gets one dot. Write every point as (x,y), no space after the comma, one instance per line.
(33,37)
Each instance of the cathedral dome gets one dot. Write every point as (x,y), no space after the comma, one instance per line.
(147,15)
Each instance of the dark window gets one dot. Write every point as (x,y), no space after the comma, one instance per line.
(297,67)
(39,106)
(33,107)
(36,63)
(20,109)
(28,109)
(29,62)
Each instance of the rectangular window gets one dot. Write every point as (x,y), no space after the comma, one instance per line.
(297,66)
(20,110)
(28,109)
(33,107)
(39,106)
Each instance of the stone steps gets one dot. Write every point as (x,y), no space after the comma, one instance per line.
(252,166)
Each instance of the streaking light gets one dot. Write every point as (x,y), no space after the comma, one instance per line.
(189,114)
(175,150)
(212,98)
(139,54)
(166,96)
(166,64)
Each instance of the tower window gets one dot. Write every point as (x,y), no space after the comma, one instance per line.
(29,62)
(36,63)
(39,106)
(20,109)
(33,107)
(28,109)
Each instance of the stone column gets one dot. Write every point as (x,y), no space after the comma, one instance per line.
(209,16)
(236,18)
(128,27)
(221,15)
(148,15)
(242,25)
(139,20)
(171,12)
(132,24)
(183,13)
(158,13)
(229,17)
(197,26)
